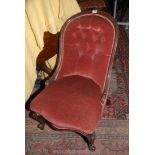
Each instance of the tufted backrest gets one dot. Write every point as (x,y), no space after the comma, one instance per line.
(86,46)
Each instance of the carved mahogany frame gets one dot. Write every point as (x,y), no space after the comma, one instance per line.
(89,138)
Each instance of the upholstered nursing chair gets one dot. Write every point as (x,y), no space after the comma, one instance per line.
(76,95)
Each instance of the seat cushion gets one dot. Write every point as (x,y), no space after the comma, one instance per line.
(72,102)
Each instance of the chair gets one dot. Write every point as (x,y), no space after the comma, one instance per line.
(76,94)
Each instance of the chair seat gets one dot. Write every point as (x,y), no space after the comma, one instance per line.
(69,104)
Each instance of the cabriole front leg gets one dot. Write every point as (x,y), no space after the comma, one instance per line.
(90,140)
(38,118)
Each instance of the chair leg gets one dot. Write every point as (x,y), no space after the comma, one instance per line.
(38,118)
(90,140)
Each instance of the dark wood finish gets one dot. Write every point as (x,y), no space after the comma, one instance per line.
(90,138)
(43,67)
(123,5)
(38,118)
(105,92)
(92,5)
(90,141)
(51,44)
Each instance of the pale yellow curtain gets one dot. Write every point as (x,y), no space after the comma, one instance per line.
(41,16)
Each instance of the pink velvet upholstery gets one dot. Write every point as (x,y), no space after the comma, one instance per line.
(71,102)
(73,99)
(86,48)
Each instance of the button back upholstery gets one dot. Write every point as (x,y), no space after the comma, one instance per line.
(86,47)
(73,99)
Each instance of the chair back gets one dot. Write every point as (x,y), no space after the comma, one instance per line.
(87,45)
